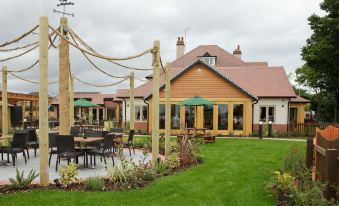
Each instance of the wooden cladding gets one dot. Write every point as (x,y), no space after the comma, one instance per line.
(201,81)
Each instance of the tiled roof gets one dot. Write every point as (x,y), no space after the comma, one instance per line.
(299,99)
(95,97)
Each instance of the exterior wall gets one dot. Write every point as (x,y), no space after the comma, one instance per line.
(281,113)
(139,124)
(300,111)
(200,81)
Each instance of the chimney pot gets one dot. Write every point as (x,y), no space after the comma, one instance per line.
(180,47)
(237,52)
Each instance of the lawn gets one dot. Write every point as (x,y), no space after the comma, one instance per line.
(234,172)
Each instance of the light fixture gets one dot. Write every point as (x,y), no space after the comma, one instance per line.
(260,122)
(269,122)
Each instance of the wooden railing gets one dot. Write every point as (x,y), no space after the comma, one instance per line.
(307,127)
(323,154)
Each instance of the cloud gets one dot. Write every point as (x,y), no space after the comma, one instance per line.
(267,30)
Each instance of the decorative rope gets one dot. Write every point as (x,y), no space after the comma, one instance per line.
(92,50)
(26,69)
(95,85)
(99,55)
(17,48)
(94,65)
(29,50)
(30,81)
(20,37)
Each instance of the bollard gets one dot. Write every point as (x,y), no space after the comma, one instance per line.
(270,129)
(260,130)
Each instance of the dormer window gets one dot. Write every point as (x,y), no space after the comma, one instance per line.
(208,59)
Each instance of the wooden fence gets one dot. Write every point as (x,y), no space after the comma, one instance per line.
(307,127)
(322,153)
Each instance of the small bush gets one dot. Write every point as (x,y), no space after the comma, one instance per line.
(68,174)
(172,160)
(21,182)
(160,167)
(187,151)
(95,183)
(295,164)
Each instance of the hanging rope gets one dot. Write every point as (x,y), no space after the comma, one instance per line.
(13,57)
(26,69)
(92,50)
(20,37)
(94,65)
(17,48)
(30,81)
(99,55)
(104,85)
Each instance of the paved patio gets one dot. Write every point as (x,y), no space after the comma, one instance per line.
(8,171)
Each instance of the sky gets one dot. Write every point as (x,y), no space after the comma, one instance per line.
(266,30)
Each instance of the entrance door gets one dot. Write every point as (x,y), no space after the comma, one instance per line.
(293,115)
(189,116)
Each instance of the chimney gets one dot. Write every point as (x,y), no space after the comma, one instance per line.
(237,52)
(180,47)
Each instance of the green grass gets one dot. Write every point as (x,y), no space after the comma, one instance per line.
(235,172)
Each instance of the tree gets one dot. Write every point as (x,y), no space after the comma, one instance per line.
(321,54)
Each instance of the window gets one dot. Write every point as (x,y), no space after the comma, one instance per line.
(175,116)
(137,113)
(144,113)
(161,116)
(222,117)
(267,113)
(208,116)
(238,120)
(208,60)
(189,116)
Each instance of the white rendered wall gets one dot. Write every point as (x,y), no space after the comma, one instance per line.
(281,109)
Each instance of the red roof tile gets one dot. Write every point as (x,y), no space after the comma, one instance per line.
(299,99)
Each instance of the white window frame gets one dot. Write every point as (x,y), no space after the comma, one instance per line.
(141,114)
(208,60)
(267,112)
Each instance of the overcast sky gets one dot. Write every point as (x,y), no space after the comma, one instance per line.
(267,30)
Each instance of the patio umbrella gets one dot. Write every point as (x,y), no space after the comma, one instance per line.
(84,103)
(195,101)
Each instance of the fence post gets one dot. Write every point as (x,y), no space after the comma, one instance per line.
(330,176)
(309,153)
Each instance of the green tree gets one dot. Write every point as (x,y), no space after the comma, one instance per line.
(321,54)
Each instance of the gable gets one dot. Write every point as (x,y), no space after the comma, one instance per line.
(199,80)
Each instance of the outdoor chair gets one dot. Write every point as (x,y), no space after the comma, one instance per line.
(93,133)
(105,151)
(52,145)
(32,141)
(17,146)
(129,143)
(75,131)
(117,130)
(66,149)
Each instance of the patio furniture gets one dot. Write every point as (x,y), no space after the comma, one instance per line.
(52,145)
(128,144)
(32,141)
(93,133)
(17,146)
(105,151)
(2,162)
(75,131)
(66,149)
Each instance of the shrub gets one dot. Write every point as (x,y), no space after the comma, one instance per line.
(68,174)
(95,183)
(172,160)
(187,151)
(295,164)
(160,166)
(21,182)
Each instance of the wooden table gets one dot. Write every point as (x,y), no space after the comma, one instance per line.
(117,134)
(88,139)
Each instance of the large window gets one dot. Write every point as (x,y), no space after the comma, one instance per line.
(161,116)
(222,117)
(137,113)
(189,116)
(144,113)
(267,113)
(238,121)
(208,116)
(175,116)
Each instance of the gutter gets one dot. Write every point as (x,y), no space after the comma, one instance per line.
(147,130)
(253,103)
(288,114)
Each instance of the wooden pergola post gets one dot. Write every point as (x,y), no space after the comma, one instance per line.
(155,101)
(43,100)
(4,102)
(71,101)
(132,108)
(167,109)
(64,74)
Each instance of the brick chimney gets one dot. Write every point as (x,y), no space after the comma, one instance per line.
(180,47)
(237,52)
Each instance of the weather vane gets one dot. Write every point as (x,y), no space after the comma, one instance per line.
(64,3)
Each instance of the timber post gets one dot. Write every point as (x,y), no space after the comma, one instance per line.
(309,153)
(71,100)
(43,100)
(4,113)
(64,100)
(167,109)
(330,172)
(132,108)
(155,101)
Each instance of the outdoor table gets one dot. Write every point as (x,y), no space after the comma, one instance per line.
(88,139)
